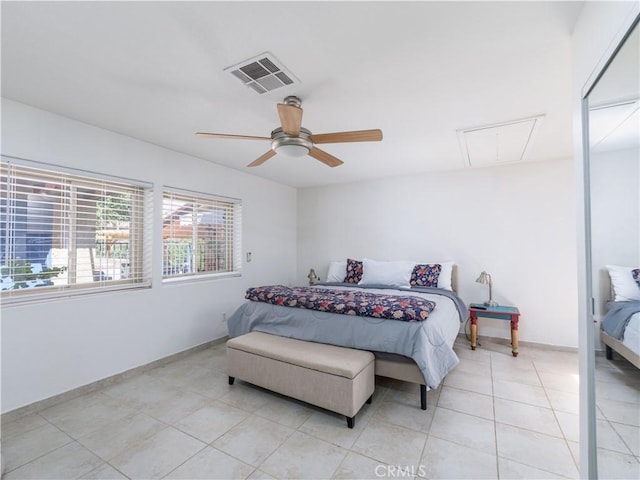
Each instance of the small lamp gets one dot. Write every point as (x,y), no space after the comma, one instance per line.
(485,279)
(313,278)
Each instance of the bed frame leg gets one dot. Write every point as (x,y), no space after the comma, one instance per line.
(350,421)
(369,400)
(231,380)
(608,352)
(423,397)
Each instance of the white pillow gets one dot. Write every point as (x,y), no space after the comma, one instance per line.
(392,274)
(624,286)
(446,276)
(337,272)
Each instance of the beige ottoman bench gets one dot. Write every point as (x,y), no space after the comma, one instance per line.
(335,378)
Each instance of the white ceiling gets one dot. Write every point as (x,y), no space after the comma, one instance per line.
(419,71)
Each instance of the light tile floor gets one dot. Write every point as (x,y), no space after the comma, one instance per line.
(495,416)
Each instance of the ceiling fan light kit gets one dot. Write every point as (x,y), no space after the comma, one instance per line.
(294,141)
(289,146)
(292,151)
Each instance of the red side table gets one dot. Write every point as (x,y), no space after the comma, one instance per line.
(500,312)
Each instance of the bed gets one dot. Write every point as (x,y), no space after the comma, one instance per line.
(620,327)
(428,342)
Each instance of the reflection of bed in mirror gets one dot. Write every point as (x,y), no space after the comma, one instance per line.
(624,348)
(620,327)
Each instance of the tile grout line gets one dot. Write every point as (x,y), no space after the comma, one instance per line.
(48,452)
(495,423)
(115,468)
(145,438)
(610,423)
(555,416)
(539,368)
(533,431)
(187,459)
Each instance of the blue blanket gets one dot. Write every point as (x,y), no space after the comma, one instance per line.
(427,343)
(618,316)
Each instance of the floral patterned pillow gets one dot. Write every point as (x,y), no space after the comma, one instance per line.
(636,276)
(425,275)
(354,271)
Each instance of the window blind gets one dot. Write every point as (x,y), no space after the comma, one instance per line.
(201,234)
(64,232)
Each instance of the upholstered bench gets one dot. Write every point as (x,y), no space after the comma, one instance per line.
(403,368)
(335,378)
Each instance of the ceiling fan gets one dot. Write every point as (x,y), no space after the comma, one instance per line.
(291,140)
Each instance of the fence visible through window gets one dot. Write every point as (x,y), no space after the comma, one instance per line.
(201,234)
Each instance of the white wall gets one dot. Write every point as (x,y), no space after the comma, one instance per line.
(517,222)
(615,216)
(49,348)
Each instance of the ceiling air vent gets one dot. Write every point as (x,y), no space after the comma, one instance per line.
(263,73)
(499,143)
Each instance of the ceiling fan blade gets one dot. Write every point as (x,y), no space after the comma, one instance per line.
(343,137)
(262,158)
(290,118)
(325,158)
(236,137)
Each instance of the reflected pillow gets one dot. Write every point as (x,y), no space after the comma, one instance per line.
(625,287)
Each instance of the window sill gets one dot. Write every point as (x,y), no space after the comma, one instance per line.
(198,278)
(70,294)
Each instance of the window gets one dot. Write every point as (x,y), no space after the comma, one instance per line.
(200,234)
(65,232)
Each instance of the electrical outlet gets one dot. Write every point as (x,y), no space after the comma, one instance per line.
(248,257)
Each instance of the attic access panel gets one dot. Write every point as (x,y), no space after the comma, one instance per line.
(262,73)
(499,143)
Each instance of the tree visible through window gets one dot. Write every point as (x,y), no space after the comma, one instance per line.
(61,231)
(201,234)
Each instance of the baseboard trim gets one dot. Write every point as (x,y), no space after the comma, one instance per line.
(105,382)
(506,341)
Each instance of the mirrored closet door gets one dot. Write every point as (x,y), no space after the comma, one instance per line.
(614,194)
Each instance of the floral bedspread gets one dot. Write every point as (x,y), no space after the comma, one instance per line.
(347,302)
